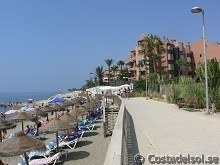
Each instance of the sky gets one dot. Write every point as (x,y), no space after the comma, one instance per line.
(53,45)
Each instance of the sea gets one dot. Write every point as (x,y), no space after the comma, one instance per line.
(6,97)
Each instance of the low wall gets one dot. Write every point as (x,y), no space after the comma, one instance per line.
(114,153)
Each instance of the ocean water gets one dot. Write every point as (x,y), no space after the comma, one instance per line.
(23,96)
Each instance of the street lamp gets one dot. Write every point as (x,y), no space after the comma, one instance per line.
(200,10)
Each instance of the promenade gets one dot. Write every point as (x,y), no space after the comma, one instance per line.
(162,128)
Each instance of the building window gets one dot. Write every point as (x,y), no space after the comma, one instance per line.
(200,55)
(140,52)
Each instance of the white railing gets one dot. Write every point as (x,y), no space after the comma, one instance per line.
(114,153)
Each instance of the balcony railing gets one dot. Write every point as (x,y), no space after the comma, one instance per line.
(169,47)
(170,67)
(170,56)
(189,59)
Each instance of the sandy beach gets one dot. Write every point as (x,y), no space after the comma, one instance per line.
(92,147)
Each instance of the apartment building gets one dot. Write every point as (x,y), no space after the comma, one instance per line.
(212,50)
(176,60)
(114,75)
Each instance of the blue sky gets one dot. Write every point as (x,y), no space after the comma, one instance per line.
(51,45)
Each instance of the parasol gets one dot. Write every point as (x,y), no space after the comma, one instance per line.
(56,125)
(19,144)
(4,124)
(23,116)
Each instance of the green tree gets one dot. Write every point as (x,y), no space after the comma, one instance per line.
(109,63)
(99,73)
(157,55)
(114,69)
(139,65)
(184,63)
(152,49)
(121,63)
(89,84)
(213,69)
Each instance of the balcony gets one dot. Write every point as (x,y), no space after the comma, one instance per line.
(130,60)
(180,44)
(187,48)
(132,68)
(188,59)
(170,67)
(169,47)
(170,57)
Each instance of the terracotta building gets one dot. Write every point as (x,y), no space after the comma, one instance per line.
(212,49)
(178,58)
(174,52)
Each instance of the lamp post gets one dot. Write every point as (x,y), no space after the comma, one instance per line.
(144,62)
(200,10)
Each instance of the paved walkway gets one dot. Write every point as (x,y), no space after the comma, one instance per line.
(162,128)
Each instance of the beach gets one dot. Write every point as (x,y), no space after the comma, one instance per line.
(92,147)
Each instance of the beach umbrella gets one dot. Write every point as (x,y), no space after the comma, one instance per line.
(47,109)
(57,100)
(80,100)
(77,112)
(23,116)
(73,101)
(84,109)
(68,118)
(90,105)
(36,111)
(56,125)
(12,111)
(65,104)
(19,144)
(56,107)
(4,124)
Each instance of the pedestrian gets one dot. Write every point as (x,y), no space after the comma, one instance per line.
(4,132)
(37,125)
(3,115)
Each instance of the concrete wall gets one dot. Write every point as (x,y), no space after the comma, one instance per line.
(114,153)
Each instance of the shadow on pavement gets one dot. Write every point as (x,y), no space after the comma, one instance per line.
(130,145)
(77,155)
(88,134)
(83,143)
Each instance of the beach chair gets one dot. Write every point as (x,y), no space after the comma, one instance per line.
(78,134)
(69,143)
(89,127)
(53,159)
(46,153)
(43,161)
(34,134)
(9,137)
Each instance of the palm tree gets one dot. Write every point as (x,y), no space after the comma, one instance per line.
(159,50)
(99,73)
(114,69)
(139,65)
(152,49)
(109,63)
(147,46)
(88,84)
(121,63)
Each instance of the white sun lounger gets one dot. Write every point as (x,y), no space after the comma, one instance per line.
(47,160)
